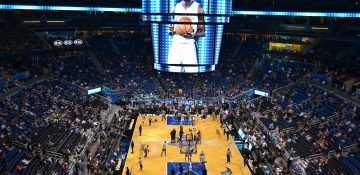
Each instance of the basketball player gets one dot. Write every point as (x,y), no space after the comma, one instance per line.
(163,150)
(183,48)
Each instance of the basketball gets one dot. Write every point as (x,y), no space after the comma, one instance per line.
(182,29)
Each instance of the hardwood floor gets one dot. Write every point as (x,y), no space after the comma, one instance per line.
(213,145)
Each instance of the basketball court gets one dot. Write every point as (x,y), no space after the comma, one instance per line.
(213,145)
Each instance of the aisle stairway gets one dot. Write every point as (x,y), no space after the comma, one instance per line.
(96,62)
(114,47)
(254,68)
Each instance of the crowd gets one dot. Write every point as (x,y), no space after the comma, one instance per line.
(16,72)
(307,121)
(132,73)
(231,74)
(111,149)
(340,78)
(177,84)
(45,122)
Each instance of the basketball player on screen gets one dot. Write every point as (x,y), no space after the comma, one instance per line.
(183,48)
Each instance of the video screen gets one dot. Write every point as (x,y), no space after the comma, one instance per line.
(261,93)
(78,3)
(186,34)
(241,134)
(181,51)
(296,5)
(94,91)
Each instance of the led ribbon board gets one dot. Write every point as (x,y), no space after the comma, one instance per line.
(301,14)
(160,14)
(68,8)
(139,10)
(94,91)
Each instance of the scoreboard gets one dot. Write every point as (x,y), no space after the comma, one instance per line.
(161,13)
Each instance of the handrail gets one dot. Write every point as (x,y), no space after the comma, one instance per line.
(81,88)
(40,38)
(20,86)
(90,140)
(334,91)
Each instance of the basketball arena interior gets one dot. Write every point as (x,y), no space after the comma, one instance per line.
(180,87)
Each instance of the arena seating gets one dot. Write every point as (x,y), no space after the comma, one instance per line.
(225,79)
(275,73)
(336,77)
(17,39)
(15,72)
(172,82)
(41,116)
(336,49)
(308,109)
(44,123)
(126,69)
(112,142)
(76,69)
(337,165)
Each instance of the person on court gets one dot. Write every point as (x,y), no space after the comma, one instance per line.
(204,171)
(142,119)
(140,129)
(150,120)
(146,151)
(188,154)
(140,164)
(173,135)
(163,150)
(190,171)
(181,169)
(202,158)
(228,156)
(183,48)
(128,171)
(199,137)
(172,171)
(163,115)
(132,147)
(181,132)
(227,135)
(192,120)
